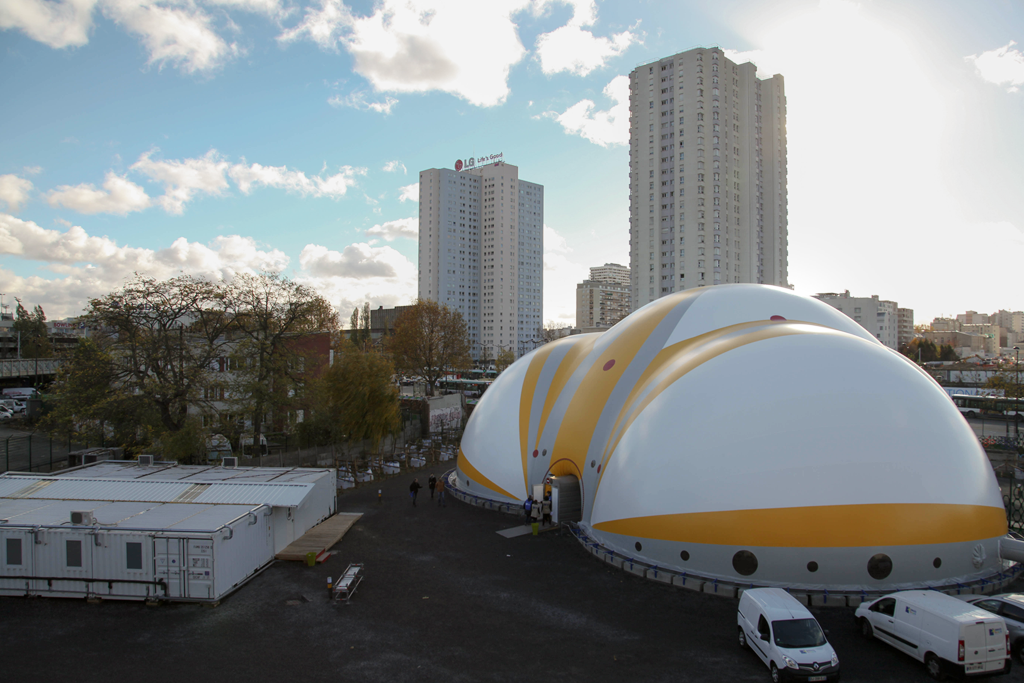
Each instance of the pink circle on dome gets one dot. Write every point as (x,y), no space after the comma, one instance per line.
(535,452)
(599,468)
(609,365)
(777,317)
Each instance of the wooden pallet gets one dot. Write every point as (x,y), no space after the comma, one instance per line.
(321,537)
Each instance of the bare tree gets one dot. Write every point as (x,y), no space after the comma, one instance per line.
(267,312)
(165,338)
(430,340)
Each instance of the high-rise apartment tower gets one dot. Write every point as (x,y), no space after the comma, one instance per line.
(481,252)
(707,173)
(603,299)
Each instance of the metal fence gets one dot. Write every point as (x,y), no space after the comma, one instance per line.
(35,453)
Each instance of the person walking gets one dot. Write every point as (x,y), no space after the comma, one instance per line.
(431,483)
(528,506)
(414,488)
(441,495)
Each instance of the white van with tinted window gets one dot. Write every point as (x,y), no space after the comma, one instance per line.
(785,636)
(951,637)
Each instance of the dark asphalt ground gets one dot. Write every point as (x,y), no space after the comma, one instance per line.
(445,598)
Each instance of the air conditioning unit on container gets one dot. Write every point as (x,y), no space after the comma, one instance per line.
(230,463)
(82,517)
(145,461)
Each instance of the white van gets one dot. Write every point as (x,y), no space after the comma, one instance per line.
(785,636)
(949,635)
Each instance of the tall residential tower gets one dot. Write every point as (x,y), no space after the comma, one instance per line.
(707,175)
(482,252)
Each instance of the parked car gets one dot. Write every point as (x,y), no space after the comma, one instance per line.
(1010,606)
(13,405)
(951,636)
(785,636)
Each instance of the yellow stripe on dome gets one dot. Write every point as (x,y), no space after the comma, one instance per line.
(684,356)
(472,473)
(821,526)
(537,360)
(572,360)
(584,411)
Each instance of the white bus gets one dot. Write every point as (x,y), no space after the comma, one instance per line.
(989,406)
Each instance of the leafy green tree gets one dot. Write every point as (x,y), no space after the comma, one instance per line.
(1007,382)
(430,340)
(87,401)
(30,328)
(505,358)
(355,399)
(921,350)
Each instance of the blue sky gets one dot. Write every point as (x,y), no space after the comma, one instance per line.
(169,136)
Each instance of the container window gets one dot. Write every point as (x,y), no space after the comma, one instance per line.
(14,551)
(74,553)
(133,553)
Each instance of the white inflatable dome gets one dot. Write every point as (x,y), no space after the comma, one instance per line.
(750,434)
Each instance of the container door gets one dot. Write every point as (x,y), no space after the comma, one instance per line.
(169,565)
(75,550)
(200,568)
(16,555)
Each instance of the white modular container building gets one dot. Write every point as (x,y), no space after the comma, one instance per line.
(290,521)
(189,537)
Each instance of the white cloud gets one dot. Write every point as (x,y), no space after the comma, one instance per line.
(360,272)
(575,49)
(87,266)
(561,276)
(180,35)
(294,181)
(57,24)
(1002,66)
(423,45)
(182,180)
(358,100)
(32,170)
(409,193)
(393,166)
(392,230)
(269,7)
(610,127)
(14,191)
(119,196)
(323,26)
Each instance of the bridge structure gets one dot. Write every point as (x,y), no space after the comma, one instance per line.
(29,368)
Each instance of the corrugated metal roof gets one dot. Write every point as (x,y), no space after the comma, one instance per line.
(136,490)
(166,471)
(157,516)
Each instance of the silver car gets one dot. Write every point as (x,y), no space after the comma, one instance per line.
(1010,606)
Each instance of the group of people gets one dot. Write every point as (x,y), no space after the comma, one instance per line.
(538,510)
(434,485)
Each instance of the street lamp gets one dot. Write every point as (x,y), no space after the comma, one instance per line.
(1016,413)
